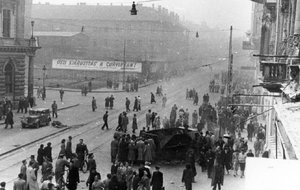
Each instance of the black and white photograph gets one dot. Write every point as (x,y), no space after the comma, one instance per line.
(149,94)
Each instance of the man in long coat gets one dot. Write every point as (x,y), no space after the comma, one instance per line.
(187,177)
(157,179)
(9,120)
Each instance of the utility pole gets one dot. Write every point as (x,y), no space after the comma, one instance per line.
(230,67)
(229,79)
(124,64)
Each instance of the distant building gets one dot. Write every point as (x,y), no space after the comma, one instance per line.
(154,37)
(14,49)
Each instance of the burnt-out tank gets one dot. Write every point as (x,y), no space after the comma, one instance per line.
(171,143)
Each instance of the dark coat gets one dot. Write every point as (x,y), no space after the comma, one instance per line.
(187,176)
(157,180)
(48,152)
(9,118)
(111,101)
(73,178)
(217,175)
(40,155)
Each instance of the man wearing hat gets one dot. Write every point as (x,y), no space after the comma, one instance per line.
(157,179)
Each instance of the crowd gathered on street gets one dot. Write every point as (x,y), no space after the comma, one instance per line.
(133,152)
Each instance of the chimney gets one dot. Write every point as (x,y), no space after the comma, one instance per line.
(297,19)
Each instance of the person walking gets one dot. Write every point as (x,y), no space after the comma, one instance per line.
(20,184)
(187,177)
(106,104)
(148,119)
(152,98)
(157,179)
(114,149)
(62,147)
(48,151)
(134,123)
(218,170)
(242,160)
(111,102)
(73,177)
(94,104)
(9,120)
(61,93)
(32,182)
(127,104)
(69,152)
(135,105)
(23,169)
(105,119)
(40,155)
(124,122)
(81,151)
(139,103)
(20,105)
(54,109)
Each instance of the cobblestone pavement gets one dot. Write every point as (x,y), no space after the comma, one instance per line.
(98,140)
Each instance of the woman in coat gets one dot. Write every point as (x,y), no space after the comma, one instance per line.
(131,152)
(62,147)
(140,145)
(32,182)
(134,123)
(148,152)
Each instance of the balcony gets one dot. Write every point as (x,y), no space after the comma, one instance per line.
(274,74)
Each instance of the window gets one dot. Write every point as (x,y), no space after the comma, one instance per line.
(9,78)
(6,23)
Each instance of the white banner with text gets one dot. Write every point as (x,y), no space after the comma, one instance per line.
(94,65)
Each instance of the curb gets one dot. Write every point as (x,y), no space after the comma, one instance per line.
(98,91)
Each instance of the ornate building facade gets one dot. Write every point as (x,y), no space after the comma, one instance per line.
(14,49)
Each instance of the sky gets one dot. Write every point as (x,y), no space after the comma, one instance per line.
(216,13)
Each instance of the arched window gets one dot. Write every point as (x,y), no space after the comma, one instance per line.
(9,78)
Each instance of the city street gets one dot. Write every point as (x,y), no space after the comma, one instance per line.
(97,140)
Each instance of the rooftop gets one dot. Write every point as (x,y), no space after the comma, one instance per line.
(100,12)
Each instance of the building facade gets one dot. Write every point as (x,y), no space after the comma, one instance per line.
(279,65)
(13,49)
(154,37)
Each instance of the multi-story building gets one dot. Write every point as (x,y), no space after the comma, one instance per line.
(279,62)
(154,37)
(14,49)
